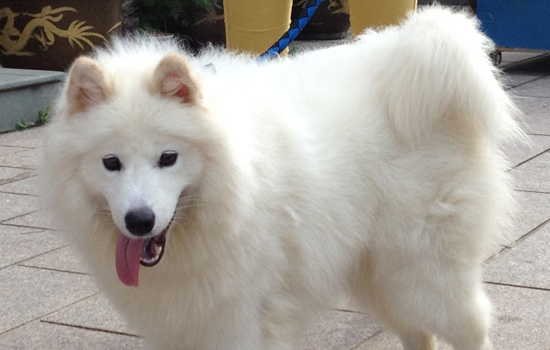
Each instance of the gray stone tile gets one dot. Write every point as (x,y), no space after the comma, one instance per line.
(537,65)
(517,56)
(37,219)
(10,150)
(533,175)
(522,318)
(529,77)
(525,264)
(63,259)
(8,175)
(533,210)
(43,335)
(340,330)
(387,340)
(16,205)
(19,243)
(96,312)
(28,159)
(537,114)
(27,138)
(26,186)
(513,80)
(521,321)
(337,330)
(520,152)
(535,88)
(30,293)
(383,340)
(521,67)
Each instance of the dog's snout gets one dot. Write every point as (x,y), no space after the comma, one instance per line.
(140,221)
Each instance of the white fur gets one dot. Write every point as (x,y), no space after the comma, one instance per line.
(371,169)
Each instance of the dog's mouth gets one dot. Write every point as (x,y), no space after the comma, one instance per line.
(130,253)
(153,249)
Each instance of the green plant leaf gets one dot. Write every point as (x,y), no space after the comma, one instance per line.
(44,115)
(23,124)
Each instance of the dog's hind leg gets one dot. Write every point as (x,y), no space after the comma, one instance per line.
(459,314)
(417,341)
(468,320)
(379,290)
(425,298)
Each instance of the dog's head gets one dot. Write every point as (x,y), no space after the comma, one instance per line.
(134,133)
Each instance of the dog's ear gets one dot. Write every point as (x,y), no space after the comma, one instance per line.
(87,85)
(172,78)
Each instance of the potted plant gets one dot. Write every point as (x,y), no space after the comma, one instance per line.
(197,22)
(330,21)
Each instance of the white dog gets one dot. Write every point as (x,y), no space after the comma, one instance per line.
(256,194)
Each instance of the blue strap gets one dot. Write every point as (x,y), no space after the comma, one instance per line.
(295,28)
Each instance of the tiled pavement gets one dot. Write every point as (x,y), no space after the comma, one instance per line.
(47,301)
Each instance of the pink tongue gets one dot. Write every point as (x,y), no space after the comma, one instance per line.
(128,253)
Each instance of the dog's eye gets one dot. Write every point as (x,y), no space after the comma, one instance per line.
(168,158)
(111,163)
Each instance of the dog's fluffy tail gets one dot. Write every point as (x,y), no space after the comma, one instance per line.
(442,71)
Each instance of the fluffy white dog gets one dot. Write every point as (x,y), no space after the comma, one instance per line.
(256,194)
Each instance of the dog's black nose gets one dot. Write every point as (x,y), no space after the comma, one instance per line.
(140,221)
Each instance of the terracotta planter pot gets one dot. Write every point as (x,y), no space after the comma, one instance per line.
(50,34)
